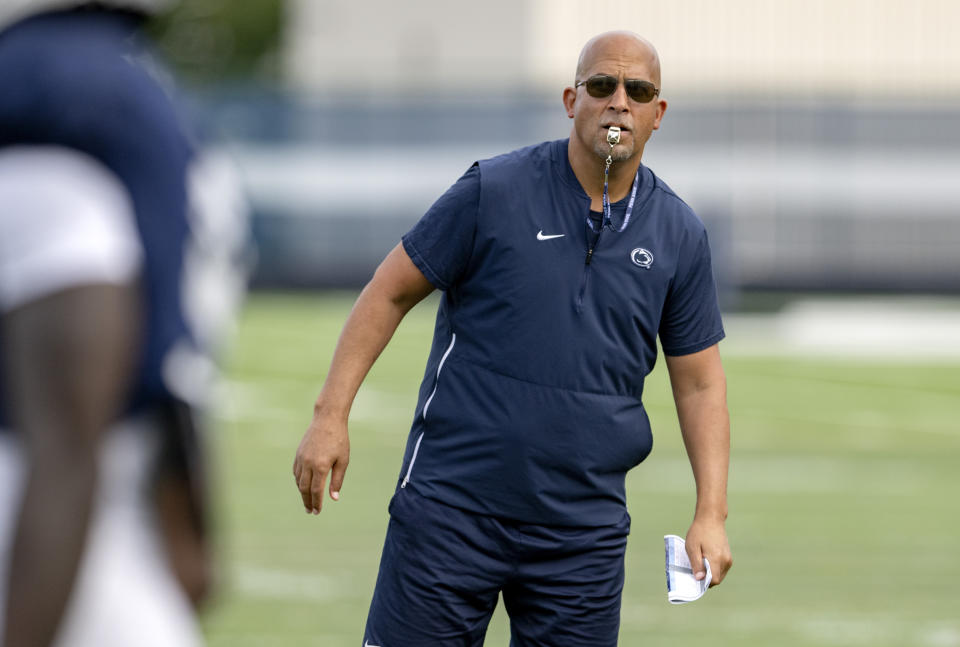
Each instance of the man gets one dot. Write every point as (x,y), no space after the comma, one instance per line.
(530,415)
(103,335)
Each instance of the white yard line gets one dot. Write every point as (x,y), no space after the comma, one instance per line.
(894,329)
(272,583)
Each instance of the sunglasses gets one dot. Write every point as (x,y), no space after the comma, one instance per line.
(603,85)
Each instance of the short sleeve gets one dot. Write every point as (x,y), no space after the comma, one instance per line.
(440,244)
(691,318)
(66,221)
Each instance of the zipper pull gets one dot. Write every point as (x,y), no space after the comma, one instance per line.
(589,256)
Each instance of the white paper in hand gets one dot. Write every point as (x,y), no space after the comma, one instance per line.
(682,586)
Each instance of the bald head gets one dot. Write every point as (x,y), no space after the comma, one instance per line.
(619,45)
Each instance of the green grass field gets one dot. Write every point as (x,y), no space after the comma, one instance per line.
(844,519)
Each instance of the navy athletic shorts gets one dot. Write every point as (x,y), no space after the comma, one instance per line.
(443,568)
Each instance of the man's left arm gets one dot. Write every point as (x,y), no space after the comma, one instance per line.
(700,393)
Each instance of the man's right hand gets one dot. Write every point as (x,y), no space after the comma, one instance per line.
(325,449)
(397,286)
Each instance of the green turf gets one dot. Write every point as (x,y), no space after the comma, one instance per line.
(843,521)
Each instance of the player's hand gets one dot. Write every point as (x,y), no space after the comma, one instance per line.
(708,538)
(325,449)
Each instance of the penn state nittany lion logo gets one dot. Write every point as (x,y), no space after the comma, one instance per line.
(642,257)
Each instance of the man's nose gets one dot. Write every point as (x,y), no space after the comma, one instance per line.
(619,98)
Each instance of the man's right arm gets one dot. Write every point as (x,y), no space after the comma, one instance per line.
(396,287)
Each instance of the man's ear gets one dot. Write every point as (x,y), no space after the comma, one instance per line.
(661,108)
(569,99)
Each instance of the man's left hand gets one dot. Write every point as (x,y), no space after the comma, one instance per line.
(708,538)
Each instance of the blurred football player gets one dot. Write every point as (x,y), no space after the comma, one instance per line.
(118,250)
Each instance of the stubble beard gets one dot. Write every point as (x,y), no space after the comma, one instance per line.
(620,153)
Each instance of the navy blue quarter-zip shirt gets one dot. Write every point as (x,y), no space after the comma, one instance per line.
(531,406)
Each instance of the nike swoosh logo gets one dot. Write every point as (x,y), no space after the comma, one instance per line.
(366,644)
(540,236)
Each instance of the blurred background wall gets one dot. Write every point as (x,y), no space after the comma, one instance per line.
(847,48)
(818,140)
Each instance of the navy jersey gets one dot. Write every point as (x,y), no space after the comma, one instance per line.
(81,80)
(531,407)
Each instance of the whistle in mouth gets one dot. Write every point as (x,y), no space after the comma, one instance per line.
(613,135)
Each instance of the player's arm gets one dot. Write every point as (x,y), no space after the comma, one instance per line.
(180,490)
(396,287)
(700,393)
(67,362)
